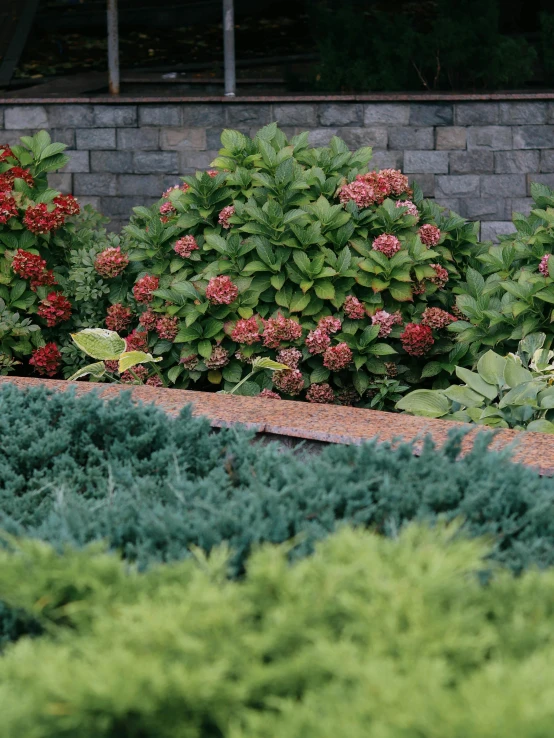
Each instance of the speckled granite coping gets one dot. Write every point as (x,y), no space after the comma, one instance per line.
(320,423)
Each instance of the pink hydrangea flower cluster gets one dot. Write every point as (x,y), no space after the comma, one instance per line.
(360,192)
(411,207)
(185,246)
(118,317)
(289,381)
(190,362)
(353,308)
(54,309)
(221,291)
(167,327)
(394,182)
(317,341)
(329,324)
(137,341)
(148,319)
(429,235)
(224,216)
(441,277)
(212,173)
(543,266)
(320,393)
(417,339)
(140,371)
(291,357)
(434,317)
(111,262)
(386,321)
(144,287)
(184,187)
(337,357)
(247,331)
(279,330)
(46,359)
(166,211)
(218,359)
(387,244)
(267,394)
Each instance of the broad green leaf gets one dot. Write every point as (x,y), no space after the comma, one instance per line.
(132,358)
(263,362)
(515,373)
(99,343)
(465,396)
(97,370)
(431,369)
(523,394)
(381,349)
(324,290)
(401,291)
(174,373)
(491,367)
(205,349)
(428,403)
(541,426)
(475,382)
(298,302)
(320,374)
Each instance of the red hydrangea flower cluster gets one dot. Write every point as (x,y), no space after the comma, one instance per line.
(185,246)
(441,275)
(337,357)
(218,359)
(221,291)
(224,216)
(19,173)
(280,329)
(247,331)
(394,182)
(417,339)
(118,317)
(436,318)
(111,365)
(8,207)
(290,357)
(33,267)
(144,287)
(167,327)
(140,371)
(411,207)
(386,321)
(67,205)
(137,341)
(268,394)
(320,393)
(111,262)
(317,341)
(362,193)
(148,319)
(46,359)
(289,381)
(5,185)
(154,381)
(429,235)
(189,362)
(329,324)
(353,308)
(543,266)
(166,211)
(6,153)
(55,309)
(387,244)
(38,219)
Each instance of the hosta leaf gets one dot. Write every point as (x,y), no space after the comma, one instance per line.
(465,396)
(475,382)
(99,343)
(428,403)
(132,358)
(97,370)
(491,367)
(263,362)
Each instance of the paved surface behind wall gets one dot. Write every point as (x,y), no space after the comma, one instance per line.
(288,420)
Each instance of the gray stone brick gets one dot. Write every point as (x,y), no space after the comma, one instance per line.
(94,202)
(1,118)
(489,137)
(340,114)
(159,115)
(68,116)
(451,137)
(391,114)
(61,181)
(193,160)
(522,205)
(138,139)
(95,184)
(355,138)
(523,113)
(452,203)
(117,162)
(425,181)
(64,135)
(471,162)
(431,114)
(476,114)
(387,160)
(503,185)
(122,206)
(139,185)
(510,162)
(322,136)
(204,115)
(410,137)
(78,161)
(426,161)
(295,114)
(534,137)
(182,139)
(95,138)
(25,117)
(485,208)
(458,185)
(115,225)
(248,115)
(492,229)
(115,115)
(545,179)
(150,162)
(547,161)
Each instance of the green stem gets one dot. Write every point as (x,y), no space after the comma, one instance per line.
(159,373)
(242,381)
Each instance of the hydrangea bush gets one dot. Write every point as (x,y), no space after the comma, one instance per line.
(298,254)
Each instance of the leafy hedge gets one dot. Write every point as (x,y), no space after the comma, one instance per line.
(368,638)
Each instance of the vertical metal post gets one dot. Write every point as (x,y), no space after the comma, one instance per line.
(229,47)
(113,48)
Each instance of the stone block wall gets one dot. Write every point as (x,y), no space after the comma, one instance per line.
(476,157)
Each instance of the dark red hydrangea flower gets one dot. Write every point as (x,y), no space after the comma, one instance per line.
(33,267)
(154,381)
(337,357)
(441,275)
(111,262)
(137,341)
(429,235)
(279,329)
(38,219)
(144,287)
(55,309)
(291,357)
(19,173)
(436,318)
(118,317)
(218,359)
(221,291)
(8,207)
(141,372)
(6,153)
(167,327)
(329,324)
(269,395)
(67,205)
(148,319)
(112,365)
(190,362)
(417,339)
(320,393)
(46,359)
(289,381)
(5,184)
(317,341)
(247,331)
(353,308)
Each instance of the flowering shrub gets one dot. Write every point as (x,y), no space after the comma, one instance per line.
(287,250)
